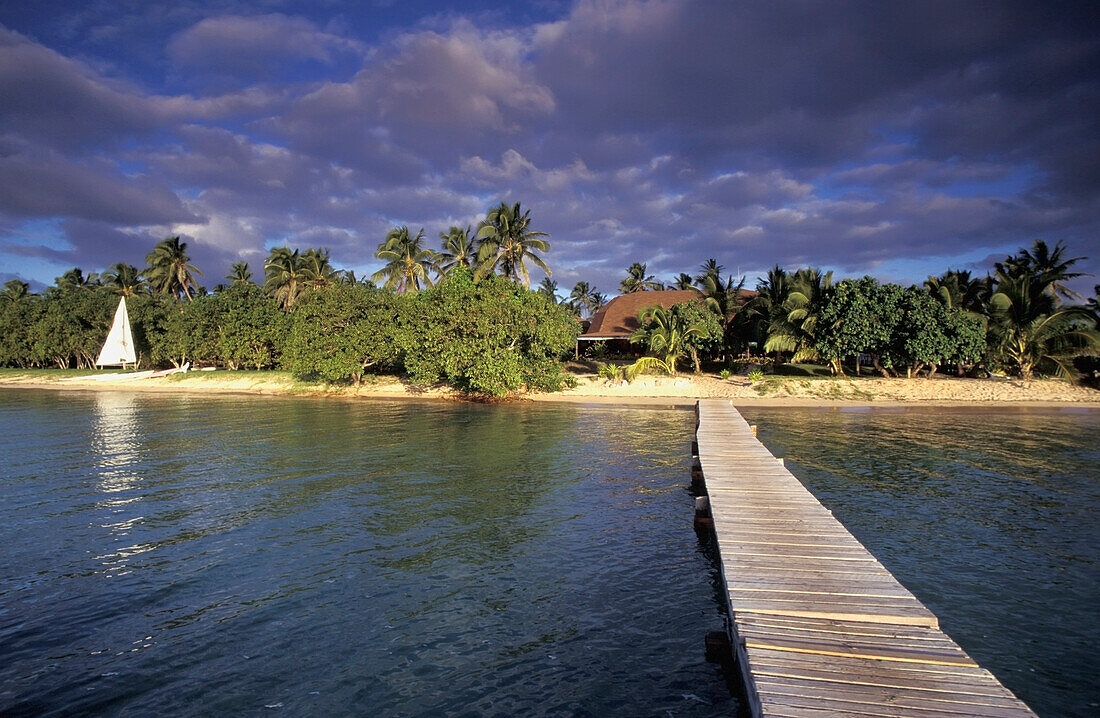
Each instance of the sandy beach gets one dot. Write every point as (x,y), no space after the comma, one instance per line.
(683,389)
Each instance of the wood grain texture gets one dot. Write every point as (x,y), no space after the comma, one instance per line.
(819,626)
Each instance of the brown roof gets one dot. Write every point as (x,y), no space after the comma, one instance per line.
(619,318)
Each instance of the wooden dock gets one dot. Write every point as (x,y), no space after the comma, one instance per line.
(817,625)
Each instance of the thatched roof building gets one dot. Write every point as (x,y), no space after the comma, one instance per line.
(618,319)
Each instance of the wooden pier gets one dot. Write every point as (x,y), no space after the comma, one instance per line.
(817,625)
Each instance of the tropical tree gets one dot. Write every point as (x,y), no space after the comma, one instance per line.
(1032,332)
(457,250)
(506,242)
(76,279)
(1045,266)
(682,281)
(169,269)
(771,291)
(598,300)
(239,274)
(583,299)
(407,262)
(284,277)
(666,334)
(710,269)
(859,317)
(637,280)
(956,289)
(794,328)
(549,289)
(317,269)
(14,291)
(343,331)
(723,297)
(490,337)
(124,280)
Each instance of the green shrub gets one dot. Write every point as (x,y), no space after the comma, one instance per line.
(491,337)
(610,372)
(339,332)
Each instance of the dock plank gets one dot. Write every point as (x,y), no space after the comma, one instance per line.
(819,626)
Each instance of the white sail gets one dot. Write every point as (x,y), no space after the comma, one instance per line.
(119,347)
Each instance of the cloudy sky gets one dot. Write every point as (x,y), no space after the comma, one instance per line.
(897,139)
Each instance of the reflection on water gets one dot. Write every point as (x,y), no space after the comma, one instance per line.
(329,557)
(116,442)
(989,517)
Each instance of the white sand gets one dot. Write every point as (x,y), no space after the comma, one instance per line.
(683,389)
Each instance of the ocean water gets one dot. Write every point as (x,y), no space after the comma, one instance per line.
(174,555)
(171,555)
(991,517)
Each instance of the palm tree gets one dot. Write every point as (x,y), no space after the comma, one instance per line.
(735,316)
(317,270)
(582,299)
(14,291)
(170,270)
(124,280)
(407,263)
(1045,265)
(795,326)
(956,289)
(506,241)
(682,281)
(1028,325)
(637,280)
(1093,304)
(597,300)
(771,293)
(284,277)
(665,333)
(549,288)
(1033,333)
(75,279)
(710,269)
(239,273)
(457,250)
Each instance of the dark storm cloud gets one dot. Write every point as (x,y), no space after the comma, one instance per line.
(847,134)
(54,99)
(47,184)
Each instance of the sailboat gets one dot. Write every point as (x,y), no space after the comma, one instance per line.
(118,350)
(119,347)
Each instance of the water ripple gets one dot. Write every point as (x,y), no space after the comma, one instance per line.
(238,556)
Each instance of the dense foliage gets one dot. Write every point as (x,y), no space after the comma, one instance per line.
(490,337)
(477,327)
(340,332)
(895,327)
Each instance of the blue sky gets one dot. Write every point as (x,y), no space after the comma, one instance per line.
(892,139)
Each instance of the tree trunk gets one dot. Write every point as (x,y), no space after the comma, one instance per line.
(877,364)
(932,370)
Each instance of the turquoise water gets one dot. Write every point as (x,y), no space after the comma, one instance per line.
(165,555)
(991,517)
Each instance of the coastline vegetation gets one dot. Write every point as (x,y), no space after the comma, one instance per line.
(465,316)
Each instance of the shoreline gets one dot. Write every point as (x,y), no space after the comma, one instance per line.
(653,391)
